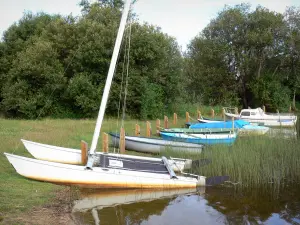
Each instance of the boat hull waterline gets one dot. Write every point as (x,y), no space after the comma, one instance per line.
(98,177)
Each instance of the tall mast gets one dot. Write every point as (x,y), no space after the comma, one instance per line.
(110,76)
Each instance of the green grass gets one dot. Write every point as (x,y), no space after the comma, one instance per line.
(250,161)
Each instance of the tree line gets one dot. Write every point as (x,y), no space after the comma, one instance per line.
(54,65)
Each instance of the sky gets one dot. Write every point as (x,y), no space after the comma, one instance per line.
(182,19)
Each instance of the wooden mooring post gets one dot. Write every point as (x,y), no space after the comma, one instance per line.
(232,124)
(236,110)
(157,126)
(166,122)
(187,117)
(84,152)
(105,142)
(198,114)
(122,140)
(175,118)
(137,130)
(264,108)
(148,129)
(212,113)
(223,114)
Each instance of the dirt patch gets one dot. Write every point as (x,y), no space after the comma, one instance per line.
(56,212)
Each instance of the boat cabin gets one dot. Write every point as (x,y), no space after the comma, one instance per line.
(252,112)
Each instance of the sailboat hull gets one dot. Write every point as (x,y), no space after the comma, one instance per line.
(73,156)
(98,177)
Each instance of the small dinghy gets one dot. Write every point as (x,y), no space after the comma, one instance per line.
(154,145)
(244,127)
(200,136)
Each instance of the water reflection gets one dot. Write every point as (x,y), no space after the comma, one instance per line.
(217,205)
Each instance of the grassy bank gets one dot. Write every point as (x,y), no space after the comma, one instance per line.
(250,161)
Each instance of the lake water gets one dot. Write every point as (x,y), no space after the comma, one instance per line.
(210,205)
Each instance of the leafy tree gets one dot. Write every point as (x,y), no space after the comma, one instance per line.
(34,82)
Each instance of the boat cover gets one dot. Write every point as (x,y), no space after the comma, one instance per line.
(228,124)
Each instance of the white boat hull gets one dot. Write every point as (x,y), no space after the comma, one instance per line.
(73,156)
(98,177)
(265,119)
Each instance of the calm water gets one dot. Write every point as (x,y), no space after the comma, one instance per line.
(217,205)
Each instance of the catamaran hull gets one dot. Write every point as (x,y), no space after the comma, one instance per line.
(98,177)
(154,145)
(73,156)
(200,138)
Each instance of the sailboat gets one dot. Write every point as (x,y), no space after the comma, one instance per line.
(104,170)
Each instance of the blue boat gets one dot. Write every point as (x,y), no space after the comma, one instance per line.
(199,138)
(243,126)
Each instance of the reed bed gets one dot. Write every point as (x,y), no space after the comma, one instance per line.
(252,161)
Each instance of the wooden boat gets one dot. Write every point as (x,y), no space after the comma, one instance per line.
(244,127)
(200,136)
(265,119)
(108,171)
(154,145)
(73,156)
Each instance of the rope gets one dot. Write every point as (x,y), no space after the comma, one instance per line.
(127,75)
(121,91)
(126,60)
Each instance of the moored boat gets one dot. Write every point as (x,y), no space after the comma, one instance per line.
(244,127)
(73,156)
(154,145)
(108,172)
(200,136)
(259,117)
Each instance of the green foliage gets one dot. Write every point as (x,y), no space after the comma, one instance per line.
(34,82)
(52,65)
(245,56)
(83,95)
(152,106)
(271,93)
